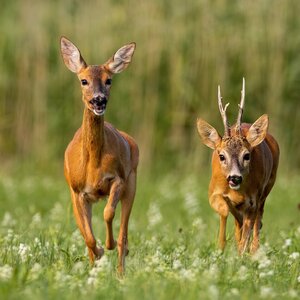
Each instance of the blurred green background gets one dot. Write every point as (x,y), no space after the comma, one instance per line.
(184,50)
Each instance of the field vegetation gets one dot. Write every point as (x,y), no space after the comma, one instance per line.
(184,50)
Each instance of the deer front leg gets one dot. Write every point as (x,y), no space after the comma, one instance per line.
(222,232)
(248,222)
(218,203)
(109,212)
(237,231)
(126,202)
(82,209)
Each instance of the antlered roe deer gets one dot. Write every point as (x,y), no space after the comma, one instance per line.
(244,166)
(100,160)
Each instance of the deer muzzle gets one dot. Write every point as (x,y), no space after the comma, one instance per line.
(234,181)
(98,105)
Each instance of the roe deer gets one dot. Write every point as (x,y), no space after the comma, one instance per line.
(100,160)
(244,166)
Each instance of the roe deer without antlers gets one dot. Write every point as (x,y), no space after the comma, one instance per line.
(244,166)
(100,160)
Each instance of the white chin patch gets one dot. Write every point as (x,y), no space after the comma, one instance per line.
(99,113)
(234,187)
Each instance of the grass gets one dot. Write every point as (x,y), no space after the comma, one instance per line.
(172,239)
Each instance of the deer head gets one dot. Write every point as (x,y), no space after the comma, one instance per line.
(95,80)
(234,148)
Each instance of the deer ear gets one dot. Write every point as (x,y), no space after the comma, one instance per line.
(71,56)
(121,59)
(208,134)
(258,131)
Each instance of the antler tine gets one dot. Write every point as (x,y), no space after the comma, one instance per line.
(241,109)
(223,112)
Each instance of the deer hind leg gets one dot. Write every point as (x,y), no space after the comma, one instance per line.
(109,212)
(126,202)
(82,209)
(237,231)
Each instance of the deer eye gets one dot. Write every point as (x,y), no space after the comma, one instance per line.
(222,157)
(108,81)
(84,82)
(247,156)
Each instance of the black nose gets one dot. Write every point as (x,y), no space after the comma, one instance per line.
(235,179)
(99,101)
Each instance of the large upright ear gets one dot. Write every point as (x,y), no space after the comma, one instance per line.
(208,134)
(121,59)
(258,131)
(71,55)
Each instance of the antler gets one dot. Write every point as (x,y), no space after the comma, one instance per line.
(223,113)
(241,109)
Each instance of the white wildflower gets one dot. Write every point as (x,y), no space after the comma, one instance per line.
(92,281)
(101,266)
(156,258)
(215,255)
(242,273)
(287,243)
(8,220)
(179,251)
(62,278)
(191,203)
(23,251)
(94,272)
(78,268)
(266,274)
(35,271)
(154,215)
(160,269)
(298,278)
(213,272)
(36,220)
(298,232)
(6,272)
(260,254)
(266,292)
(77,237)
(37,243)
(196,263)
(293,293)
(213,292)
(10,236)
(57,212)
(177,264)
(198,224)
(234,292)
(187,274)
(294,255)
(73,249)
(264,263)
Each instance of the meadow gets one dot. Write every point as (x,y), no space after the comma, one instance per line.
(172,242)
(184,50)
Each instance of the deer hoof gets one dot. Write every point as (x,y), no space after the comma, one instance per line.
(111,245)
(99,252)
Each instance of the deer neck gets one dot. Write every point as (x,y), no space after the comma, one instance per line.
(92,136)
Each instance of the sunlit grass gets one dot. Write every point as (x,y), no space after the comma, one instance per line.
(172,239)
